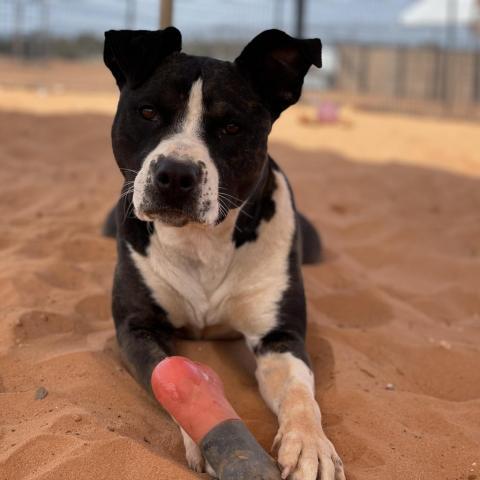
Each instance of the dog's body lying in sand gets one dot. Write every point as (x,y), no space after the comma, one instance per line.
(215,244)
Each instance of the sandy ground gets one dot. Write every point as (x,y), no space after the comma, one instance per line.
(396,301)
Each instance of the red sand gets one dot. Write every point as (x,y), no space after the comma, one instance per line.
(397,200)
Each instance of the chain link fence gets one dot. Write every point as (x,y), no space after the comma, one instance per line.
(369,57)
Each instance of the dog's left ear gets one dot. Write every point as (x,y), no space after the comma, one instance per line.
(133,55)
(276,63)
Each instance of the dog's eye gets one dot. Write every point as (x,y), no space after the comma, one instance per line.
(231,129)
(148,112)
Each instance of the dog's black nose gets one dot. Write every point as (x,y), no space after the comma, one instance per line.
(176,176)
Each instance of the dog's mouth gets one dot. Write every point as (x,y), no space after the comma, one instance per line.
(174,217)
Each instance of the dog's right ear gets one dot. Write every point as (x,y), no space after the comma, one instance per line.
(133,55)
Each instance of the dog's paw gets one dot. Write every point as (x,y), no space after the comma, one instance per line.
(195,459)
(210,470)
(193,454)
(305,453)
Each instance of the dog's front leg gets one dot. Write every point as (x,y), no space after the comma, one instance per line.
(145,339)
(143,347)
(287,385)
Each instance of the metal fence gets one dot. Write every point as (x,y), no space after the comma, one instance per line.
(409,75)
(368,54)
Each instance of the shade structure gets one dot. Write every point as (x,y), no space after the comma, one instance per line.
(425,13)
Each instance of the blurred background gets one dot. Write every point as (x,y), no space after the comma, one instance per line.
(413,55)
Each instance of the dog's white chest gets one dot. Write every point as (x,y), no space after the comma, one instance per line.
(200,279)
(186,270)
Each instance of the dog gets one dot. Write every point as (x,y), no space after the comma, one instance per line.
(209,242)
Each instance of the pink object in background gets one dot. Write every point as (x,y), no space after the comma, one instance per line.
(328,112)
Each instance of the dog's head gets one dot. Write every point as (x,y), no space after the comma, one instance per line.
(190,133)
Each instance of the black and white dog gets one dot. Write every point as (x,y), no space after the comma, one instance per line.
(215,243)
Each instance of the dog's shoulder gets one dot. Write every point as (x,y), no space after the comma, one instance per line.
(274,200)
(262,271)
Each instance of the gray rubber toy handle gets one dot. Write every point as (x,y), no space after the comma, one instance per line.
(234,454)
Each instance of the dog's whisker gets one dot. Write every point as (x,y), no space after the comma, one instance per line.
(243,212)
(129,211)
(229,202)
(127,205)
(238,228)
(222,208)
(225,194)
(230,198)
(126,193)
(234,200)
(227,197)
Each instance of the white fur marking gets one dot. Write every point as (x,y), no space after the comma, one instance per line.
(188,145)
(276,372)
(287,386)
(193,454)
(185,266)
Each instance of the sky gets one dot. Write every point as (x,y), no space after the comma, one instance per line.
(210,19)
(201,16)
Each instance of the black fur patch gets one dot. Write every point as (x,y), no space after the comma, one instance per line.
(260,207)
(130,229)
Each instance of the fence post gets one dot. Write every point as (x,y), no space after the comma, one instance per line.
(476,78)
(364,69)
(17,38)
(400,72)
(166,13)
(45,28)
(299,18)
